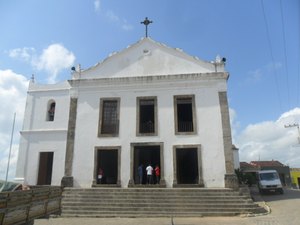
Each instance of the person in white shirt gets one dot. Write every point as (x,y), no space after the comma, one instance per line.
(149,170)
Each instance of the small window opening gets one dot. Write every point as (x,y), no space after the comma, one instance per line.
(185,115)
(51,112)
(147,122)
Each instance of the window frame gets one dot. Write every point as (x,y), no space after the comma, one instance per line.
(194,119)
(101,108)
(138,101)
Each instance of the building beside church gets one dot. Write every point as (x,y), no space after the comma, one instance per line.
(147,104)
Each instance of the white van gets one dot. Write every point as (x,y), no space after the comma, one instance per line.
(268,180)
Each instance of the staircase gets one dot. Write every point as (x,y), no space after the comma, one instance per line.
(154,202)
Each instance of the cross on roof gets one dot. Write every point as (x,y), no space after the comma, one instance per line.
(146,22)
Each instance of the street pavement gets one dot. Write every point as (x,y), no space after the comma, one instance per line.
(284,210)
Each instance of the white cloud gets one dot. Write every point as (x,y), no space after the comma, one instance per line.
(259,74)
(97,5)
(271,140)
(13,88)
(22,53)
(254,76)
(54,59)
(113,17)
(126,26)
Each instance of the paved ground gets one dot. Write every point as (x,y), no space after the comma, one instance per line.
(284,211)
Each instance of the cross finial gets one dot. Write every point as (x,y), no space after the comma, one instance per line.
(32,78)
(146,22)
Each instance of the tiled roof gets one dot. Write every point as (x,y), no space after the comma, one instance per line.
(246,165)
(266,163)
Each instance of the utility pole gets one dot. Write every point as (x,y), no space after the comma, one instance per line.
(10,146)
(294,125)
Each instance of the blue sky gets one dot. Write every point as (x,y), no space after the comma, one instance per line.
(259,38)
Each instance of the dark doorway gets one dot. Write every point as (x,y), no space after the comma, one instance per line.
(187,166)
(45,168)
(108,162)
(145,155)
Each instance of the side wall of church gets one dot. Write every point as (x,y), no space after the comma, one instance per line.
(39,134)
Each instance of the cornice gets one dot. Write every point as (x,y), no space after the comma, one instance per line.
(148,80)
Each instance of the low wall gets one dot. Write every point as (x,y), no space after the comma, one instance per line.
(21,207)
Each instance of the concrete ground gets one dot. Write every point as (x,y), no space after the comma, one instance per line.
(149,221)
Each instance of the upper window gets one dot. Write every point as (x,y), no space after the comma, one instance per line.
(146,116)
(185,116)
(109,117)
(51,111)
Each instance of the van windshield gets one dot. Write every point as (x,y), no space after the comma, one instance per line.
(268,176)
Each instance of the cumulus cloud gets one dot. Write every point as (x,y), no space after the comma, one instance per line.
(234,123)
(116,19)
(13,88)
(257,75)
(22,53)
(271,140)
(97,5)
(126,26)
(52,60)
(113,17)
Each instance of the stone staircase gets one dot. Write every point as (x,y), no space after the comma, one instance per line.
(155,202)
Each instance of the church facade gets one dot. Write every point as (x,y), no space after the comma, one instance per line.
(147,104)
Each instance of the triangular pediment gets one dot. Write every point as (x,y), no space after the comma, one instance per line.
(147,58)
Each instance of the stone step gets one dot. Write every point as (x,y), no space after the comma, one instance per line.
(147,190)
(134,202)
(146,195)
(155,201)
(150,194)
(149,215)
(181,208)
(170,212)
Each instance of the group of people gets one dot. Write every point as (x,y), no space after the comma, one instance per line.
(151,173)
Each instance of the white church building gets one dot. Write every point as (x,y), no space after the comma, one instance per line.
(147,104)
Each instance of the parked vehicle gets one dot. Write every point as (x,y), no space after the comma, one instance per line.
(268,180)
(9,186)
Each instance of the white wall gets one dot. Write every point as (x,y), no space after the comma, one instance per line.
(209,131)
(39,135)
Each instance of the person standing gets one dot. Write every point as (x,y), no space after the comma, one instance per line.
(149,170)
(157,174)
(100,176)
(140,173)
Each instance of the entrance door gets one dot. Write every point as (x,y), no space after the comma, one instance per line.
(187,166)
(45,168)
(145,155)
(107,161)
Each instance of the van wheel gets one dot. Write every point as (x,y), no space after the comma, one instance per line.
(280,191)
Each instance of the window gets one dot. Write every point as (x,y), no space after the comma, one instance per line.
(146,116)
(185,118)
(109,117)
(51,111)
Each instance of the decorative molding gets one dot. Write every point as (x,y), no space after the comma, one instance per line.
(43,131)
